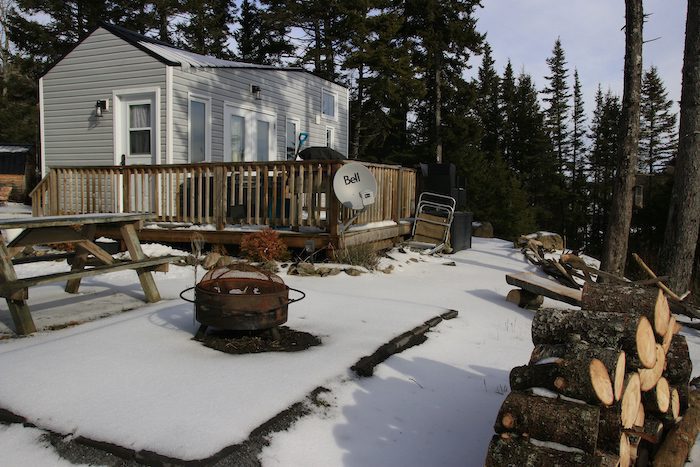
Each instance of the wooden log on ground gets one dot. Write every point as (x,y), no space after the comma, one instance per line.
(678,443)
(525,299)
(619,298)
(630,332)
(610,429)
(658,400)
(683,397)
(613,359)
(582,379)
(547,419)
(671,417)
(513,450)
(668,337)
(679,367)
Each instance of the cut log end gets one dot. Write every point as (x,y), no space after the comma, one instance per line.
(648,377)
(668,337)
(662,314)
(646,343)
(508,421)
(625,451)
(631,398)
(641,416)
(675,404)
(600,380)
(619,375)
(663,395)
(525,299)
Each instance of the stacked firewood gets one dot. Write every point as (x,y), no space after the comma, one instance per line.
(601,388)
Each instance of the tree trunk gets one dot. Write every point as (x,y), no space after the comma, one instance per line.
(679,367)
(512,450)
(613,359)
(583,378)
(610,428)
(683,224)
(620,216)
(630,332)
(547,419)
(438,112)
(525,299)
(624,298)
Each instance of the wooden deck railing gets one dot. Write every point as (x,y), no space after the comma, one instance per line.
(289,194)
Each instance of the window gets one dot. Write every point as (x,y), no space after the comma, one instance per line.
(328,107)
(139,129)
(292,138)
(199,129)
(330,137)
(237,138)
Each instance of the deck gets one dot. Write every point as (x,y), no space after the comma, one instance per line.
(224,201)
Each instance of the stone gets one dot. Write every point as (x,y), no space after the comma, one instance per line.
(549,241)
(449,263)
(388,270)
(302,269)
(353,272)
(482,229)
(210,260)
(225,261)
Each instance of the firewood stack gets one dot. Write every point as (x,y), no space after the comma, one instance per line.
(602,386)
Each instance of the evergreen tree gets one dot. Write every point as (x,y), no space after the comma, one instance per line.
(150,18)
(557,97)
(578,130)
(445,36)
(508,104)
(576,220)
(533,158)
(601,166)
(658,138)
(258,38)
(487,104)
(207,30)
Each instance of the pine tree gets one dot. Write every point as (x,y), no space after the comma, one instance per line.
(259,39)
(207,30)
(658,138)
(576,220)
(507,105)
(150,18)
(578,130)
(601,166)
(445,35)
(487,104)
(557,97)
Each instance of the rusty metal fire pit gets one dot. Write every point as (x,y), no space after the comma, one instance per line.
(241,298)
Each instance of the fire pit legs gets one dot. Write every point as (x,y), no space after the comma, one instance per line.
(275,333)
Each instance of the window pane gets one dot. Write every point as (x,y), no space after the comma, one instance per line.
(197,131)
(140,116)
(329,137)
(140,142)
(263,140)
(291,139)
(237,138)
(328,104)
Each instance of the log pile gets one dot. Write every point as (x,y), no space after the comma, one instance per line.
(603,385)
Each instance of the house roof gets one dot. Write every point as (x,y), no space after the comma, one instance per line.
(15,148)
(171,55)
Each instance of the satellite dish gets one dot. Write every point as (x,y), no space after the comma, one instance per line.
(354,186)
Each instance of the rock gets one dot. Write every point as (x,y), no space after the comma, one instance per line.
(449,263)
(225,261)
(482,229)
(326,271)
(190,260)
(210,260)
(353,272)
(388,269)
(549,241)
(302,269)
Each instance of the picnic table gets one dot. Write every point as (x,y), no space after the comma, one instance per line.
(78,230)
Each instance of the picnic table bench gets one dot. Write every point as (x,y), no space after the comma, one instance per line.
(78,230)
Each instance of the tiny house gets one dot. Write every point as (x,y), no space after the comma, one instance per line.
(121,98)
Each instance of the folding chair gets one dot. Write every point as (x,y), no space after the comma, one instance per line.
(431,229)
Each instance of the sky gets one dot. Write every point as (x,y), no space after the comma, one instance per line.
(592,37)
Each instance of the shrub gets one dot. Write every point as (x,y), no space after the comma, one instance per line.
(357,255)
(264,245)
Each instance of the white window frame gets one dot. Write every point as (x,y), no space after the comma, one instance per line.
(206,100)
(330,142)
(249,113)
(296,122)
(333,117)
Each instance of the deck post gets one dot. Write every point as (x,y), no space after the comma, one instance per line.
(53,190)
(220,197)
(126,190)
(333,209)
(398,196)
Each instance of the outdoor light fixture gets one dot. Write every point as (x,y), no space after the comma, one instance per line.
(100,107)
(256,92)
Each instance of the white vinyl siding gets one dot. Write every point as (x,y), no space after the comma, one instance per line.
(73,134)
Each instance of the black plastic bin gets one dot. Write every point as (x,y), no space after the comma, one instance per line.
(461,231)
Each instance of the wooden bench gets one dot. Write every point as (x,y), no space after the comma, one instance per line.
(537,286)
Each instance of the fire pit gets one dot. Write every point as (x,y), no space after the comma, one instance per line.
(241,298)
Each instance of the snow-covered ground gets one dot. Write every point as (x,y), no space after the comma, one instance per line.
(138,380)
